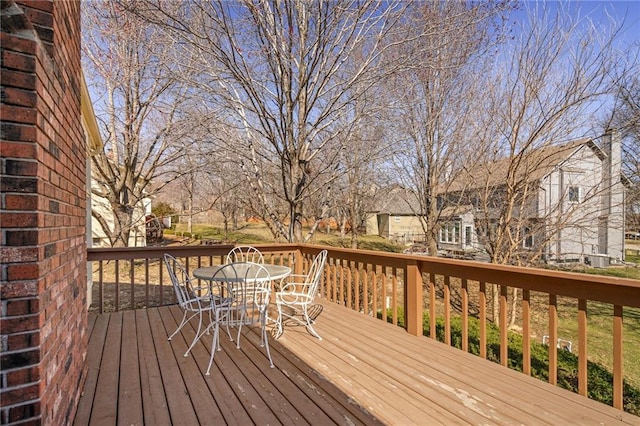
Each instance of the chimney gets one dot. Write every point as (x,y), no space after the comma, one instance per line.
(611,232)
(611,169)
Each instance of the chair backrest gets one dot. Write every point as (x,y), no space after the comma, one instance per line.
(250,286)
(315,273)
(245,254)
(182,285)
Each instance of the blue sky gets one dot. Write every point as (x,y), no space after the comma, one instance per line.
(601,11)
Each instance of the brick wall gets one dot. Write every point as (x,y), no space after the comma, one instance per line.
(43,320)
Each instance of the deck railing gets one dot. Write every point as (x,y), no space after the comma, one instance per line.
(398,288)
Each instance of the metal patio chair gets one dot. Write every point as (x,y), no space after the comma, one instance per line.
(245,254)
(296,296)
(209,300)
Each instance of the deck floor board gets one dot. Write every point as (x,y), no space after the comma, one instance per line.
(363,372)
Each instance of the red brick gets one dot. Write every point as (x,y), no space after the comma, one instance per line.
(20,202)
(19,220)
(18,254)
(15,96)
(25,411)
(22,341)
(10,290)
(18,150)
(22,376)
(16,395)
(18,184)
(17,132)
(18,61)
(39,17)
(43,5)
(18,79)
(18,114)
(21,307)
(19,167)
(18,325)
(22,271)
(21,237)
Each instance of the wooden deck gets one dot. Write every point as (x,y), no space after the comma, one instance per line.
(364,371)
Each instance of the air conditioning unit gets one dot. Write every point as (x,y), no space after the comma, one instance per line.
(600,261)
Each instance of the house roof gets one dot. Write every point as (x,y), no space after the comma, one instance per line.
(88,118)
(529,166)
(396,201)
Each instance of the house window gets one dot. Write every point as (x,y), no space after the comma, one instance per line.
(450,233)
(396,218)
(527,242)
(468,235)
(574,194)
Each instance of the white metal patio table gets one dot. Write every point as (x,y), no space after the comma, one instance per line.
(242,276)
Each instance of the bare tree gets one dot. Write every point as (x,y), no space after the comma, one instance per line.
(625,116)
(435,99)
(128,60)
(277,67)
(546,87)
(546,91)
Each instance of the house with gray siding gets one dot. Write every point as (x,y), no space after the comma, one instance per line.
(567,205)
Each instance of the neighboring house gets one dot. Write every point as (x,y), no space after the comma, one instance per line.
(570,206)
(137,237)
(97,237)
(394,217)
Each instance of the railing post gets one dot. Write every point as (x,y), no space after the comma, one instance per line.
(413,298)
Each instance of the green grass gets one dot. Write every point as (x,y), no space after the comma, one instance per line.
(258,234)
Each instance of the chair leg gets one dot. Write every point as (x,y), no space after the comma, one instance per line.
(308,320)
(197,336)
(215,342)
(279,328)
(182,323)
(264,338)
(240,329)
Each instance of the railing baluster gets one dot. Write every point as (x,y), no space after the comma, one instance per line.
(504,345)
(483,319)
(334,283)
(343,301)
(553,339)
(582,347)
(465,315)
(384,293)
(161,278)
(101,289)
(394,296)
(356,290)
(447,310)
(146,282)
(365,290)
(374,290)
(413,299)
(133,284)
(349,285)
(526,332)
(117,295)
(432,306)
(618,360)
